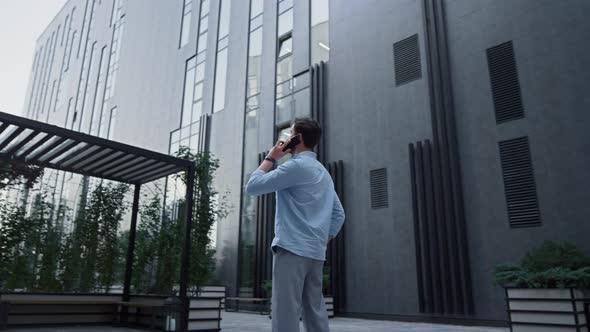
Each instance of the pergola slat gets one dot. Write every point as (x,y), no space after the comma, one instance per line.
(11,137)
(23,142)
(143,165)
(123,166)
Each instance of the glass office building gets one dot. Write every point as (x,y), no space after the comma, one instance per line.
(455,130)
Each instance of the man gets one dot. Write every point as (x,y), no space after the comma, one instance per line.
(308,215)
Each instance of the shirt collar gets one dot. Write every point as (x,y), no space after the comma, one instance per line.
(309,154)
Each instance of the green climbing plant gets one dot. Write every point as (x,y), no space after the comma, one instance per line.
(207,209)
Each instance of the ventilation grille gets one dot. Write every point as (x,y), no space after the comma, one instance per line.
(505,85)
(406,57)
(379,198)
(519,183)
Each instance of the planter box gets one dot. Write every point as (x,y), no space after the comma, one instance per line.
(548,310)
(204,314)
(329,305)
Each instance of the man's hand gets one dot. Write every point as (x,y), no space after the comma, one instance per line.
(276,152)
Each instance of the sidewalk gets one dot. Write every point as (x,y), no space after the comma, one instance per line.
(241,322)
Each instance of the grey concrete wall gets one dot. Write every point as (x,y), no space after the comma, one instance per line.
(369,124)
(551,55)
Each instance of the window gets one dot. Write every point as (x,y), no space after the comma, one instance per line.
(224,18)
(285,47)
(63,33)
(189,82)
(96,108)
(185,27)
(222,50)
(71,47)
(254,62)
(285,22)
(320,31)
(112,122)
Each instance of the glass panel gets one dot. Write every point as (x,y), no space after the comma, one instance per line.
(184,142)
(285,88)
(175,135)
(222,43)
(252,103)
(257,6)
(285,47)
(204,7)
(198,91)
(201,57)
(246,252)
(284,69)
(202,43)
(286,4)
(186,28)
(195,128)
(320,31)
(224,18)
(197,110)
(189,83)
(254,62)
(285,22)
(284,110)
(204,25)
(185,132)
(194,142)
(200,72)
(220,81)
(256,23)
(301,81)
(302,103)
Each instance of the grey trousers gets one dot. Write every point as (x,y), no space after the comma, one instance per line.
(297,292)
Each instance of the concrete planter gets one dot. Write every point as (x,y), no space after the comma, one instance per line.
(329,305)
(548,310)
(204,314)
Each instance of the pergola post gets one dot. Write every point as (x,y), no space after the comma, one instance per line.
(130,250)
(184,269)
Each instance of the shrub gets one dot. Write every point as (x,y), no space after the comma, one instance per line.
(552,265)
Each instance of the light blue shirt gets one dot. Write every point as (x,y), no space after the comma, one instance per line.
(307,207)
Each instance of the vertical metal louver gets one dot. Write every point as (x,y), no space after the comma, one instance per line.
(379,197)
(406,58)
(505,85)
(519,183)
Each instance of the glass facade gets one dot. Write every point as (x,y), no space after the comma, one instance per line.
(250,152)
(292,93)
(185,28)
(192,105)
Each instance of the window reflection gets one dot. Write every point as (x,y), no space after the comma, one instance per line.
(320,41)
(285,22)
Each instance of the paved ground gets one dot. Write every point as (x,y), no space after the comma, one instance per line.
(242,322)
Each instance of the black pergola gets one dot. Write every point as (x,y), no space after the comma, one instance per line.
(37,143)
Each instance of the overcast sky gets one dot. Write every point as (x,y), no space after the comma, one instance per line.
(21,22)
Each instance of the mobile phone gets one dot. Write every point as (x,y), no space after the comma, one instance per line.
(293,143)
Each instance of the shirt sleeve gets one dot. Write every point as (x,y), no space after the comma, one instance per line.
(283,177)
(338,217)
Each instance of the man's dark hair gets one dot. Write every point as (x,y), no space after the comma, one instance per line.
(310,131)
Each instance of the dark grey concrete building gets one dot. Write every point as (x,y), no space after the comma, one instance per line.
(455,130)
